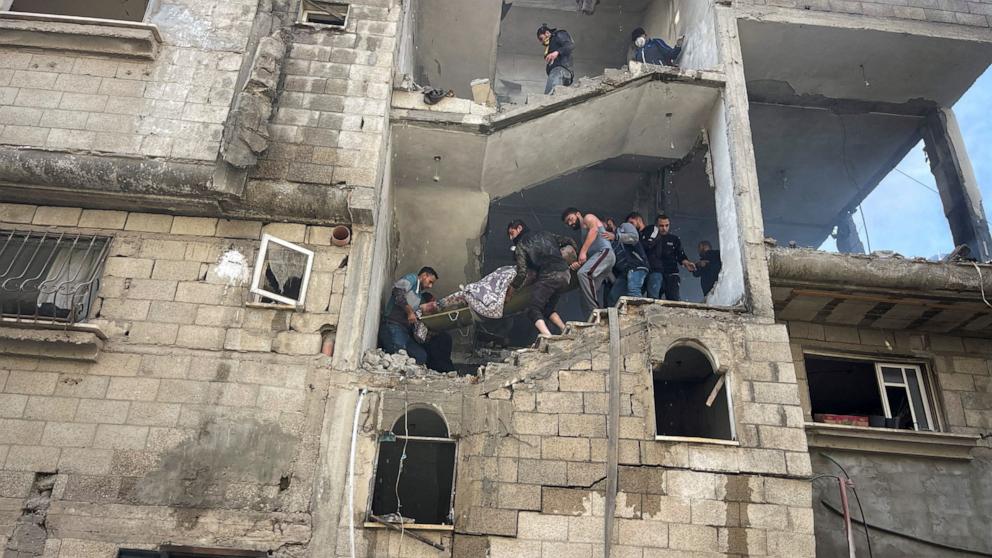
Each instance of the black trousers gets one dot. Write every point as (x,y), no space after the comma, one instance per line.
(545,293)
(670,286)
(439,347)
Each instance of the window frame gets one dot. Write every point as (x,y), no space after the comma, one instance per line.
(371,523)
(717,371)
(925,377)
(256,275)
(59,239)
(886,406)
(302,14)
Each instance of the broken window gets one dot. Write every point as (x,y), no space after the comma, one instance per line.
(282,272)
(189,552)
(49,275)
(415,471)
(332,14)
(126,10)
(859,392)
(691,399)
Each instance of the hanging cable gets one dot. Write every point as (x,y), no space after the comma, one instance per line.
(981,284)
(864,224)
(399,473)
(861,510)
(921,183)
(351,474)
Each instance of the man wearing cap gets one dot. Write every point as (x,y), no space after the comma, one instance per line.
(655,51)
(558,47)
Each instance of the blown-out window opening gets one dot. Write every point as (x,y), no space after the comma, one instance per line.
(415,472)
(49,276)
(868,393)
(282,272)
(692,400)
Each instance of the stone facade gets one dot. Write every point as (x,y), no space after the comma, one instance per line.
(185,412)
(974,13)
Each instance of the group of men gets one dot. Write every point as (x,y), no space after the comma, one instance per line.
(558,48)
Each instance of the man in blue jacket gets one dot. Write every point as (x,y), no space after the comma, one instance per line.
(655,51)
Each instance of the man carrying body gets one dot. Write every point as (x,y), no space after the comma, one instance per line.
(708,267)
(558,47)
(540,252)
(665,253)
(396,331)
(631,268)
(655,51)
(596,257)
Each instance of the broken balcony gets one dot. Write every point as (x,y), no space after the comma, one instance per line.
(452,44)
(834,110)
(652,142)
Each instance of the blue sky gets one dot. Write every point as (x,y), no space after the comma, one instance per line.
(904,212)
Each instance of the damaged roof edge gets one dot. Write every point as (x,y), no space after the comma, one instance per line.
(847,272)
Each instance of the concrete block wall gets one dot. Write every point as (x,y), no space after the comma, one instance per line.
(196,424)
(174,106)
(329,122)
(891,487)
(977,13)
(532,455)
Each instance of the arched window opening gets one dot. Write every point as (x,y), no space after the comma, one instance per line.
(415,472)
(691,399)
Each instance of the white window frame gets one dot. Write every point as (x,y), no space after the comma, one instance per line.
(304,14)
(260,260)
(924,396)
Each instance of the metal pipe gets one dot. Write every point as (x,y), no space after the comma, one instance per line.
(612,432)
(351,474)
(845,505)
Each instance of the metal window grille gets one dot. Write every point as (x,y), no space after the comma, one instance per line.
(49,276)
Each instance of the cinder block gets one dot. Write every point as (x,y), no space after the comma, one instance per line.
(30,383)
(101,219)
(21,432)
(637,532)
(133,389)
(86,461)
(558,402)
(148,222)
(238,229)
(128,267)
(587,426)
(177,270)
(153,414)
(172,312)
(150,333)
(17,213)
(12,405)
(543,472)
(248,340)
(50,408)
(81,385)
(103,411)
(57,216)
(292,343)
(33,458)
(194,226)
(570,380)
(68,434)
(543,527)
(491,521)
(289,232)
(697,538)
(283,399)
(565,449)
(535,423)
(119,436)
(519,496)
(201,337)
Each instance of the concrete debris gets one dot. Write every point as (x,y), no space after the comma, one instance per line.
(247,135)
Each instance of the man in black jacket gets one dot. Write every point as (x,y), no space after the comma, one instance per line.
(558,47)
(665,254)
(708,267)
(540,252)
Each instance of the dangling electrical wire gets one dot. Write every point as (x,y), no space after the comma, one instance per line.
(864,224)
(981,284)
(399,473)
(864,520)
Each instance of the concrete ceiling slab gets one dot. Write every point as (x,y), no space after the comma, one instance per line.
(571,5)
(545,142)
(814,163)
(837,62)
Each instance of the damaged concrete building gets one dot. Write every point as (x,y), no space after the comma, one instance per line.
(203,203)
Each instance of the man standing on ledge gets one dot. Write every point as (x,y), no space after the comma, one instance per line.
(558,47)
(540,252)
(596,256)
(655,51)
(665,256)
(396,331)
